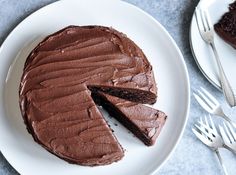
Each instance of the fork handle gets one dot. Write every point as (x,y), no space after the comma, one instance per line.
(226,88)
(228,119)
(228,148)
(221,162)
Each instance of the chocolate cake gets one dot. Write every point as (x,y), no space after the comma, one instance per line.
(144,122)
(226,27)
(55,91)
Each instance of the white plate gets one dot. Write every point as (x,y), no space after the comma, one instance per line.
(202,52)
(28,157)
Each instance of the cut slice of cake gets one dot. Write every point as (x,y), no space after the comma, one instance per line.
(226,27)
(144,122)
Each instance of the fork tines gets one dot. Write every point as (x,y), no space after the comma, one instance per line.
(204,24)
(202,15)
(206,131)
(228,133)
(205,99)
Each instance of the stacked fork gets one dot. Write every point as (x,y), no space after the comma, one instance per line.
(208,134)
(211,105)
(206,131)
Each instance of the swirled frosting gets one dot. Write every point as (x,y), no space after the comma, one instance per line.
(56,85)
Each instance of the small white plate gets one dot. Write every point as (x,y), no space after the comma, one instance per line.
(17,145)
(202,52)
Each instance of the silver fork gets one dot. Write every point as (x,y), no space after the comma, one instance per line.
(208,135)
(210,104)
(207,33)
(229,136)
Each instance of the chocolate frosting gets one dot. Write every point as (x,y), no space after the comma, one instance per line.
(56,85)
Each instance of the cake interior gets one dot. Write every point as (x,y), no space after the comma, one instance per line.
(226,27)
(146,133)
(135,95)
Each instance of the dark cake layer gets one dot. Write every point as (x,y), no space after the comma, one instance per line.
(55,100)
(226,27)
(144,122)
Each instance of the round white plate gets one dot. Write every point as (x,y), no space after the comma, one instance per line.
(202,52)
(16,143)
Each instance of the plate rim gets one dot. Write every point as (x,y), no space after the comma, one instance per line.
(175,46)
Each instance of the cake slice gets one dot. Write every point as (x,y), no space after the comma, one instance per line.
(226,27)
(144,122)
